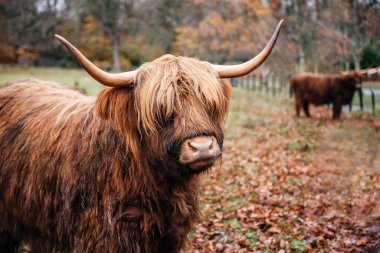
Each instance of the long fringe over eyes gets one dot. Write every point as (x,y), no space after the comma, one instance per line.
(162,85)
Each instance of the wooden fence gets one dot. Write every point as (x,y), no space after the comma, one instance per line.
(265,84)
(368,99)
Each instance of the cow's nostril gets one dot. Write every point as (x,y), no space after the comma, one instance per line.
(201,146)
(192,148)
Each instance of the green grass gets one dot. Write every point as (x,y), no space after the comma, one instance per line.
(234,223)
(282,128)
(298,246)
(251,239)
(299,145)
(71,77)
(367,100)
(373,87)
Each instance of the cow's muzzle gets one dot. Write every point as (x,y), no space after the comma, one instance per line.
(199,152)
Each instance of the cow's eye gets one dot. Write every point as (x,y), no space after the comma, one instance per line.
(167,120)
(212,112)
(171,118)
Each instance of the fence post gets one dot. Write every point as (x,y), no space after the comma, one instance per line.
(271,84)
(278,87)
(250,82)
(241,86)
(373,102)
(257,82)
(234,82)
(361,99)
(261,78)
(254,82)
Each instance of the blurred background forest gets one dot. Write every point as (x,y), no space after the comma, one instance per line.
(319,35)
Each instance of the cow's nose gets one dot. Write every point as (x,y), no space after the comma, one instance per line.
(200,151)
(203,147)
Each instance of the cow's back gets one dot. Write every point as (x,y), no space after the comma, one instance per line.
(38,122)
(28,99)
(316,89)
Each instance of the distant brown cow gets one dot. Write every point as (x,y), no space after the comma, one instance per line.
(323,89)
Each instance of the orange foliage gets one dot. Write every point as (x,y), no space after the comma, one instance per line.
(7,53)
(223,37)
(26,54)
(94,44)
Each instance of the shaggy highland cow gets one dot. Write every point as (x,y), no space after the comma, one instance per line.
(323,89)
(116,173)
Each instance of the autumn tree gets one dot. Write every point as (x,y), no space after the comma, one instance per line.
(299,28)
(318,35)
(357,24)
(30,24)
(160,18)
(226,31)
(330,32)
(114,16)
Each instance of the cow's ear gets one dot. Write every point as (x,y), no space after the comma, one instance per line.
(227,88)
(115,105)
(227,91)
(103,103)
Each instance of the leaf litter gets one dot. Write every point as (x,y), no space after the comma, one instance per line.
(291,185)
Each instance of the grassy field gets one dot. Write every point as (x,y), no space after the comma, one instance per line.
(72,77)
(286,184)
(367,99)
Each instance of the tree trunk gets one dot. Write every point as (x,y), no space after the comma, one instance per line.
(345,51)
(116,54)
(357,61)
(301,55)
(346,65)
(316,67)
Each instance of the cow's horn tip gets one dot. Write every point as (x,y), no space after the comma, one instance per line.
(281,22)
(60,38)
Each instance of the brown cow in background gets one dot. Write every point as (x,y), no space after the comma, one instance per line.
(324,89)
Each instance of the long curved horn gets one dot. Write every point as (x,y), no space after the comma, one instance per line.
(229,71)
(112,80)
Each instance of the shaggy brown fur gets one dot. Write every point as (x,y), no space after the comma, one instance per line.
(83,174)
(323,89)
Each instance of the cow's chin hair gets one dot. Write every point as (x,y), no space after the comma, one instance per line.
(200,169)
(180,173)
(186,170)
